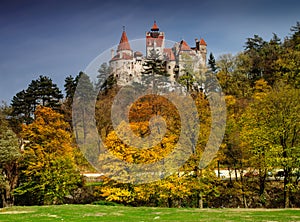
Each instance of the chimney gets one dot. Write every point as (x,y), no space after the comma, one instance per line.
(197,44)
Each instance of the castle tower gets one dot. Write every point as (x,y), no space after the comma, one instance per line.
(155,42)
(124,46)
(121,62)
(202,49)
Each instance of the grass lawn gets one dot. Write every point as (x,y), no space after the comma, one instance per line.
(117,213)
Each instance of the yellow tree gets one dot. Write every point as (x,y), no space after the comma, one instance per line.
(48,167)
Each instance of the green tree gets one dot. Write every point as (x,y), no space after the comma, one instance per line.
(293,42)
(287,67)
(253,48)
(39,92)
(83,100)
(271,129)
(70,87)
(9,156)
(232,75)
(105,79)
(154,69)
(188,78)
(212,63)
(48,171)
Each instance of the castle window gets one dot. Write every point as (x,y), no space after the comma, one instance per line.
(169,67)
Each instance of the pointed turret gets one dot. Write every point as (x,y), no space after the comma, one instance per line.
(184,46)
(155,40)
(202,48)
(202,42)
(124,44)
(154,27)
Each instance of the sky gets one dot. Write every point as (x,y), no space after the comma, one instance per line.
(59,38)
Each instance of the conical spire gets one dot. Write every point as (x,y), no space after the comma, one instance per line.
(184,46)
(154,27)
(124,44)
(202,42)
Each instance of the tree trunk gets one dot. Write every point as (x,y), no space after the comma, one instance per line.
(235,173)
(218,168)
(200,202)
(244,199)
(169,202)
(84,126)
(262,185)
(286,193)
(230,179)
(11,172)
(286,198)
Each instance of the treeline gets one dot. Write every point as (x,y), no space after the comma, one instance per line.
(41,163)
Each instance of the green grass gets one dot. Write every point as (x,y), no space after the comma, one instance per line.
(75,213)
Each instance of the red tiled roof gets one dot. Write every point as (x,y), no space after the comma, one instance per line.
(138,53)
(124,44)
(202,42)
(169,53)
(125,56)
(154,27)
(184,46)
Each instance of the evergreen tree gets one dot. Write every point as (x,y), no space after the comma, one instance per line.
(212,63)
(39,92)
(106,79)
(70,87)
(295,39)
(154,69)
(253,49)
(83,102)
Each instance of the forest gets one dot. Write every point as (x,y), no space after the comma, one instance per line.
(42,163)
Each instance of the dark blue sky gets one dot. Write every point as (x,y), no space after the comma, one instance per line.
(60,38)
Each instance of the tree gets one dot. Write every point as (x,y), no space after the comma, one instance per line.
(106,79)
(272,131)
(188,78)
(212,63)
(154,70)
(232,75)
(39,92)
(253,48)
(22,107)
(294,41)
(287,67)
(83,102)
(48,171)
(9,156)
(70,87)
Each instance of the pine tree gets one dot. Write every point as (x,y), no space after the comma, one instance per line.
(154,70)
(296,36)
(39,92)
(212,63)
(83,102)
(106,79)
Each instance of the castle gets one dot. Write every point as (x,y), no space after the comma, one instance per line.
(127,66)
